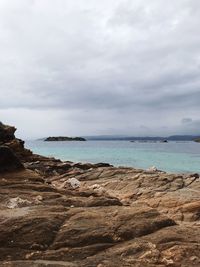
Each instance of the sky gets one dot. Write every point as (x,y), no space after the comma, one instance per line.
(85,67)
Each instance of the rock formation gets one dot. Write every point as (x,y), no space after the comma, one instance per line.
(114,217)
(7,138)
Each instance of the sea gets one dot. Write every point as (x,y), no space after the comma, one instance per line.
(173,157)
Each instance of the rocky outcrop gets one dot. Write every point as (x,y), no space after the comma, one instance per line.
(7,138)
(60,214)
(6,133)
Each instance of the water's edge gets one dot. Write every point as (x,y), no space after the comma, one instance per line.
(173,157)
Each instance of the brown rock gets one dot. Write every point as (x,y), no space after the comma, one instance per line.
(6,133)
(7,138)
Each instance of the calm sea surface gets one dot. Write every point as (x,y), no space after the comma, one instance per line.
(171,157)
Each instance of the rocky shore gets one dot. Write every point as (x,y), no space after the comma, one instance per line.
(57,214)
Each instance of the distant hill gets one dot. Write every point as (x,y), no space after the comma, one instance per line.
(182,137)
(144,138)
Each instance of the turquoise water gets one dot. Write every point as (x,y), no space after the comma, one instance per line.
(171,157)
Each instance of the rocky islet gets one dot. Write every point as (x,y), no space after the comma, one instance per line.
(63,138)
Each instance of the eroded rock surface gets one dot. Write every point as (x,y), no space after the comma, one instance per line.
(51,225)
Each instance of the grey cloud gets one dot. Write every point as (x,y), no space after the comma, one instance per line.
(111,65)
(186,120)
(191,126)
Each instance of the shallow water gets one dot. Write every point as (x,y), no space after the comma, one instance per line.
(171,157)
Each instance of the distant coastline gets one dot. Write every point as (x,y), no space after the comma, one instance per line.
(194,138)
(144,138)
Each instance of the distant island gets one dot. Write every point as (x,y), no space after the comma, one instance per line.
(197,140)
(64,138)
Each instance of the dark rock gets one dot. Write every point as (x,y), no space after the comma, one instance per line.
(102,164)
(8,160)
(195,175)
(6,133)
(7,138)
(197,140)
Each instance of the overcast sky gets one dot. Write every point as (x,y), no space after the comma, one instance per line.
(86,67)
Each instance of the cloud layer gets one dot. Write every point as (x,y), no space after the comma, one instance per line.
(100,67)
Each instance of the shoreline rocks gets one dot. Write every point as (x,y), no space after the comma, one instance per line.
(55,213)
